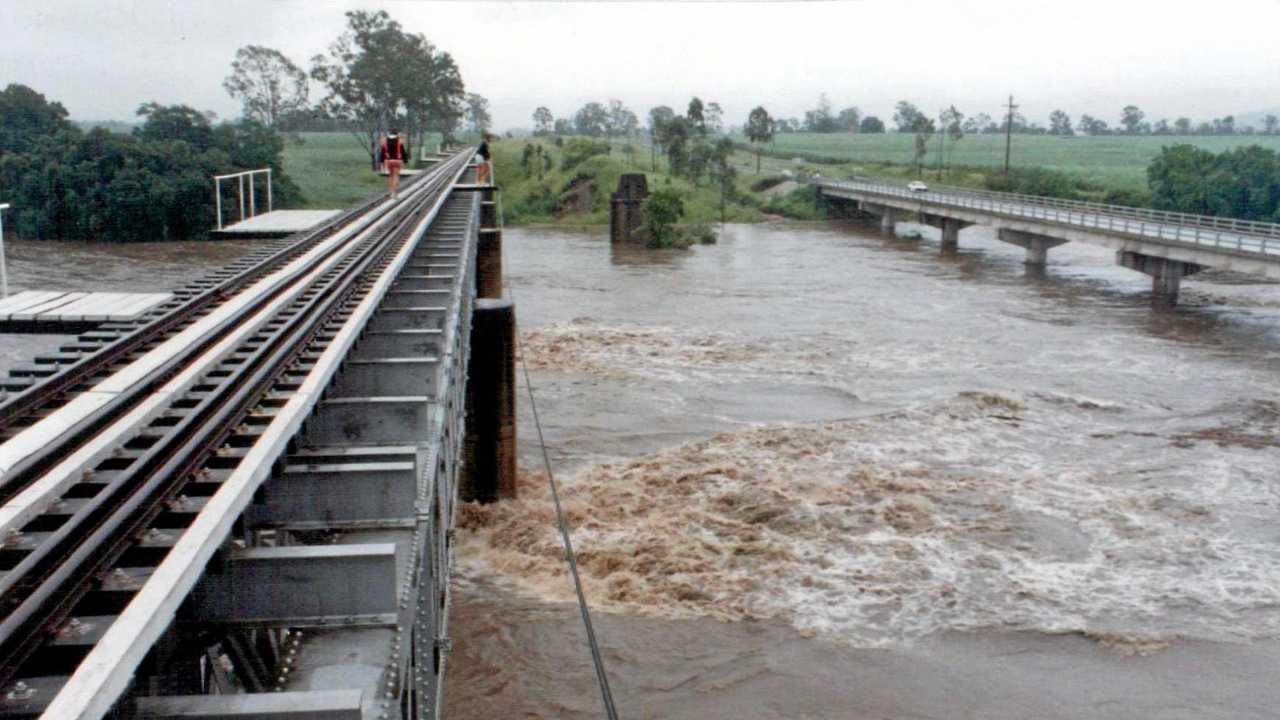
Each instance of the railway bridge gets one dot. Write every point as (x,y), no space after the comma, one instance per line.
(1167,246)
(240,505)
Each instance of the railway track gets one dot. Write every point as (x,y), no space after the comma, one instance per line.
(128,468)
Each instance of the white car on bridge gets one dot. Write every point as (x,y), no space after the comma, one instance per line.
(917,186)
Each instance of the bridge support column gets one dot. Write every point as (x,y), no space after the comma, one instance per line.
(489,249)
(489,451)
(888,221)
(950,228)
(951,233)
(1166,275)
(1037,246)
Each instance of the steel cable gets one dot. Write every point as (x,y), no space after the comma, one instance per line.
(602,677)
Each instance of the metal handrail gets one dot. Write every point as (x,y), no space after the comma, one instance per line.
(1219,233)
(240,179)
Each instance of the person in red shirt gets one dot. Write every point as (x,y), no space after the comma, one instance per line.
(394,153)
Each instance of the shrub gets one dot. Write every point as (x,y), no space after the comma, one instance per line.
(577,150)
(663,209)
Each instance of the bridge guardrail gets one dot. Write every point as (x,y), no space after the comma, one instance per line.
(1220,233)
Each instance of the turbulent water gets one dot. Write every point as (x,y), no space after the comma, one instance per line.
(811,443)
(817,473)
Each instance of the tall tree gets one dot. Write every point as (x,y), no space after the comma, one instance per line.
(676,134)
(871,124)
(820,119)
(714,116)
(375,73)
(696,116)
(478,118)
(267,84)
(622,122)
(1182,126)
(433,92)
(1060,124)
(722,170)
(543,121)
(759,130)
(1131,118)
(848,119)
(659,118)
(592,120)
(923,129)
(953,130)
(907,117)
(1090,125)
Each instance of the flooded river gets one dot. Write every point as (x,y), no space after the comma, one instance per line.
(814,473)
(818,474)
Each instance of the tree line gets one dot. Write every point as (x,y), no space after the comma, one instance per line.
(153,182)
(150,184)
(374,76)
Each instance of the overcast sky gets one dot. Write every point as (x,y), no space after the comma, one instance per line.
(102,59)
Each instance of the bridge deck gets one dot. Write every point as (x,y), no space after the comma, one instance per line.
(277,223)
(51,307)
(1210,235)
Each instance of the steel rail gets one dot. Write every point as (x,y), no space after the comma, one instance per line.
(51,449)
(120,648)
(170,317)
(111,522)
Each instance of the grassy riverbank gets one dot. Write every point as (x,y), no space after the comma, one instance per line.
(578,194)
(332,169)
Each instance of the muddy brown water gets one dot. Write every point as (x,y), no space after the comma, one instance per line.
(816,473)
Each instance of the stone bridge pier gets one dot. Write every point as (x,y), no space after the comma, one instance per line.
(1166,275)
(1037,246)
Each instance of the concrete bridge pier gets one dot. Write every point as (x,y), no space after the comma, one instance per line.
(489,450)
(1037,246)
(950,228)
(489,249)
(888,221)
(1166,275)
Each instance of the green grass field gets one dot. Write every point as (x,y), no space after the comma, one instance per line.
(1112,161)
(332,169)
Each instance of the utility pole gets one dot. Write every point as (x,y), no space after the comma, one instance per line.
(1008,135)
(942,140)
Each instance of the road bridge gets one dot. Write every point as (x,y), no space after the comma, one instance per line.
(1165,245)
(241,503)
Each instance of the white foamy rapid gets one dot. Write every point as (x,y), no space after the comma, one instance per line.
(981,511)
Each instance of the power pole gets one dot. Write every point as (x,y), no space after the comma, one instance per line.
(942,139)
(1008,135)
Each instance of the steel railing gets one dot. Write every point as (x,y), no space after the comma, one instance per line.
(1212,232)
(240,178)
